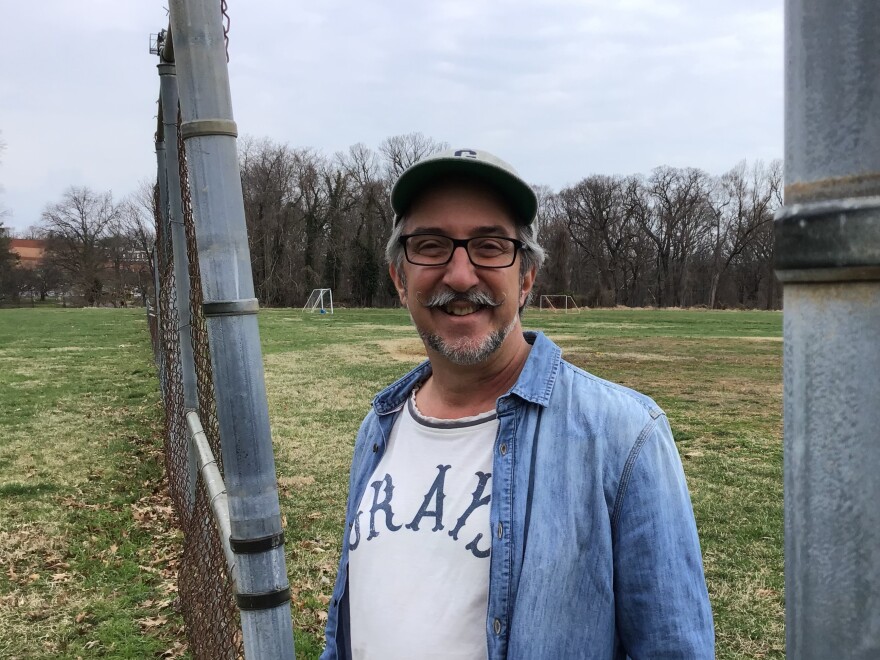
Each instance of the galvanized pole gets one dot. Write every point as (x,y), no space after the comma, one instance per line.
(828,258)
(168,101)
(230,307)
(162,233)
(161,158)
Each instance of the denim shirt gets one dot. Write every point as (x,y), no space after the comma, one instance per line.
(594,546)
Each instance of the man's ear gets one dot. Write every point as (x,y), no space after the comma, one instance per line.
(528,281)
(398,279)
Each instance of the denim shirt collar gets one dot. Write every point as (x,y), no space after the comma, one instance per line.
(535,382)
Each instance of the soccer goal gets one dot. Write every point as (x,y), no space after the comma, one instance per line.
(558,303)
(320,300)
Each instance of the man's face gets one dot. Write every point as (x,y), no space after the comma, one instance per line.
(484,308)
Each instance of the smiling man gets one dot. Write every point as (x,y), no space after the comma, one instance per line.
(502,502)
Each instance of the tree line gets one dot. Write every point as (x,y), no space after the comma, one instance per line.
(677,236)
(674,237)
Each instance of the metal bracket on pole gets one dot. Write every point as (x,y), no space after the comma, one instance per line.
(231,307)
(829,241)
(202,127)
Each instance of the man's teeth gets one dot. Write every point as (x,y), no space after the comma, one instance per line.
(460,310)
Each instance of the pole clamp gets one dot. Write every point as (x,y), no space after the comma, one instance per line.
(263,601)
(231,307)
(203,127)
(253,546)
(829,241)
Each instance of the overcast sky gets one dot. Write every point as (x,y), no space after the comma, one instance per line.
(560,88)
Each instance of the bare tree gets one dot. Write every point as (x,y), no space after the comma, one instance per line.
(137,239)
(278,186)
(78,229)
(742,205)
(756,283)
(674,215)
(600,221)
(401,151)
(370,222)
(138,214)
(556,277)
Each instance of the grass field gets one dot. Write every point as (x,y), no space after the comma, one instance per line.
(87,554)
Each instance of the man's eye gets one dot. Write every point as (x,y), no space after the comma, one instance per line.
(490,246)
(426,245)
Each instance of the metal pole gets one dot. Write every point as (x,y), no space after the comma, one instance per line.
(230,310)
(168,101)
(153,310)
(828,258)
(161,251)
(161,158)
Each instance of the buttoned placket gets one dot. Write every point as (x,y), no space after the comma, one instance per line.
(502,508)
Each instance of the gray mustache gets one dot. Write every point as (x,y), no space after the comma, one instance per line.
(443,298)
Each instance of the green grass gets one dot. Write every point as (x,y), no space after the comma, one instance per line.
(83,524)
(79,397)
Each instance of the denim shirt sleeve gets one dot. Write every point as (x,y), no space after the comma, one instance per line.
(662,602)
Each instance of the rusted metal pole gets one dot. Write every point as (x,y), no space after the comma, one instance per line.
(828,258)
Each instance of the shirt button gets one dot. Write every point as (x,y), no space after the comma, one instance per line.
(503,448)
(375,448)
(497,626)
(500,530)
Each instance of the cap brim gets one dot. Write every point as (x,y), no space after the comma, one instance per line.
(412,182)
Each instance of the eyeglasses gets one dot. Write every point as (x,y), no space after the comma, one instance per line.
(483,251)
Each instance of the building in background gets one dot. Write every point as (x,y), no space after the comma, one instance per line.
(30,251)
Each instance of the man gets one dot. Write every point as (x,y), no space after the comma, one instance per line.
(504,503)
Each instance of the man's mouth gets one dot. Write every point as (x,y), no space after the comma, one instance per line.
(461,308)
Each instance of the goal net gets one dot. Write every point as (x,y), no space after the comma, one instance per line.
(320,300)
(558,303)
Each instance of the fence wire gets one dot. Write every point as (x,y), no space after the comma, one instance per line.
(205,589)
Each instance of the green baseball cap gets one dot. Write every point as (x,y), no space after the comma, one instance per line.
(469,163)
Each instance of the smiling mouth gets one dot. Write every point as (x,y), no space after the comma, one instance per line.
(460,304)
(461,308)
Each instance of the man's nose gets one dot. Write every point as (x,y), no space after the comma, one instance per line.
(460,274)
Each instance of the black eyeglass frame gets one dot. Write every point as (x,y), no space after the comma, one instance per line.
(518,246)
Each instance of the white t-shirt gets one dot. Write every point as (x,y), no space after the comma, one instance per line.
(419,549)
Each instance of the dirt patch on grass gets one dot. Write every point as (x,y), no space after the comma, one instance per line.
(649,357)
(403,350)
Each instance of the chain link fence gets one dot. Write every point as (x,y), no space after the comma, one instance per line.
(204,585)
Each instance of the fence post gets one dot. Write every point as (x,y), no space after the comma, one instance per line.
(230,307)
(168,101)
(161,251)
(828,258)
